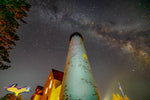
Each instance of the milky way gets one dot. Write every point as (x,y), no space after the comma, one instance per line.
(119,23)
(116,36)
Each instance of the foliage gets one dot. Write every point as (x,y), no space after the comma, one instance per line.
(10,12)
(11,96)
(8,97)
(118,97)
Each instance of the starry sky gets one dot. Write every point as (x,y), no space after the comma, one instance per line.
(116,37)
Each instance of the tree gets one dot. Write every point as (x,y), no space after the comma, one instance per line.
(9,96)
(118,97)
(10,12)
(126,97)
(19,97)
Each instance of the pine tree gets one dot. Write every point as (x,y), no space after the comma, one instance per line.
(118,97)
(19,97)
(9,96)
(114,97)
(10,12)
(126,97)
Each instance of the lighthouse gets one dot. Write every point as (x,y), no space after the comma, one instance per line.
(78,81)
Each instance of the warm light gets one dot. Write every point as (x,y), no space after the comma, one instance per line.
(50,85)
(50,77)
(58,98)
(46,90)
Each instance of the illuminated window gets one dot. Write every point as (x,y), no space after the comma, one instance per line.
(46,90)
(50,85)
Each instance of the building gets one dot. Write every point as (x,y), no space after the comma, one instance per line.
(38,93)
(77,83)
(53,85)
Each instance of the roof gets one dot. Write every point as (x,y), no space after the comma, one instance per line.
(39,87)
(57,74)
(75,34)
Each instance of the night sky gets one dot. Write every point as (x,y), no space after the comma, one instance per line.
(116,37)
